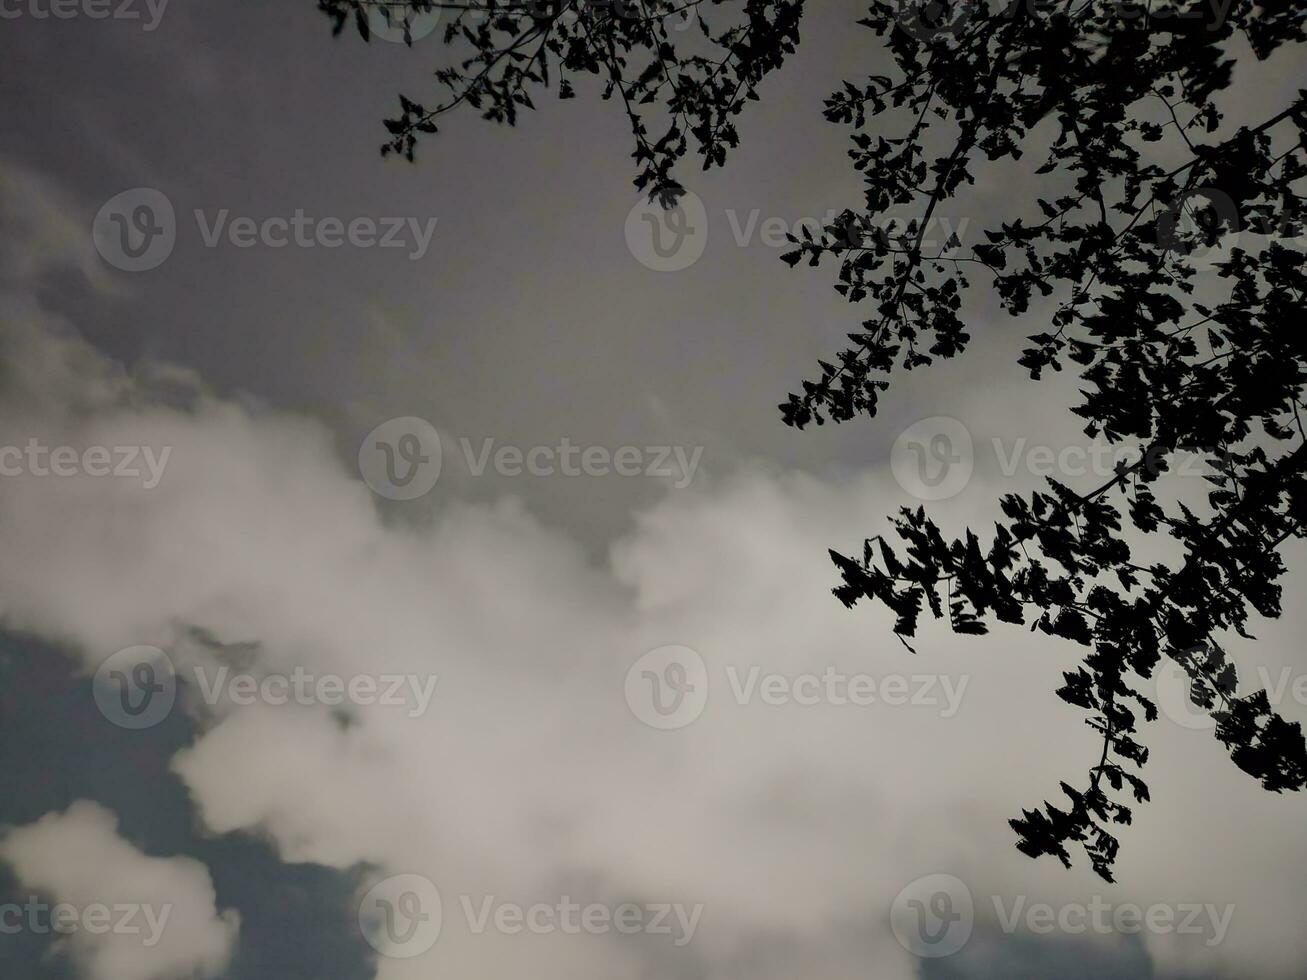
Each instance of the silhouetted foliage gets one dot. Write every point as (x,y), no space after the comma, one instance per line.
(697,79)
(1116,103)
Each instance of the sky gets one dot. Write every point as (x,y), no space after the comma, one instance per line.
(483,595)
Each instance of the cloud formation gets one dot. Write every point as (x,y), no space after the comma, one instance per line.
(119,914)
(530,780)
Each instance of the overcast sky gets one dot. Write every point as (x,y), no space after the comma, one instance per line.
(540,609)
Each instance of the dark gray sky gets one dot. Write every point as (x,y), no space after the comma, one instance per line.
(529,775)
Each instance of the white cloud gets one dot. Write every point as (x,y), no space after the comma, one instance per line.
(530,778)
(129,916)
